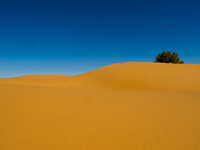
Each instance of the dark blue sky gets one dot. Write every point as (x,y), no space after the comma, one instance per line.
(70,37)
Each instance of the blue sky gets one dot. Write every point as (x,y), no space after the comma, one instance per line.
(71,37)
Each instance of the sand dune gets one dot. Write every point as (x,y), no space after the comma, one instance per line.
(127,106)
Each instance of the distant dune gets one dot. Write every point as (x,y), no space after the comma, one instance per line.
(126,106)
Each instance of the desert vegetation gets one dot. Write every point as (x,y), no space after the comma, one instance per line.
(168,57)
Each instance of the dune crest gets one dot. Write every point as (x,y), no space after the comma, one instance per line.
(146,76)
(126,76)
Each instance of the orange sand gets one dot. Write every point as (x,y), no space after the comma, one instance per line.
(127,106)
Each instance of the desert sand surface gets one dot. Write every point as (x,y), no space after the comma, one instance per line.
(125,106)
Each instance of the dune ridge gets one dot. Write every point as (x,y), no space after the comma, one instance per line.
(126,76)
(129,106)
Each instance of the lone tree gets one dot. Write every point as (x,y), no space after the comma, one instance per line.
(168,57)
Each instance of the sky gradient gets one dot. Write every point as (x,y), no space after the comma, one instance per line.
(71,37)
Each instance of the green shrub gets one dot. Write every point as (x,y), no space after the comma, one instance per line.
(168,57)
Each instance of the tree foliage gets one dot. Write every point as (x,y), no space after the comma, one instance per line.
(168,57)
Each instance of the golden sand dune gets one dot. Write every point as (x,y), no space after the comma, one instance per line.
(127,106)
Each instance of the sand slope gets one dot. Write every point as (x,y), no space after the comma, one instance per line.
(127,106)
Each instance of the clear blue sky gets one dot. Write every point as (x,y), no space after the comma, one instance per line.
(70,37)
